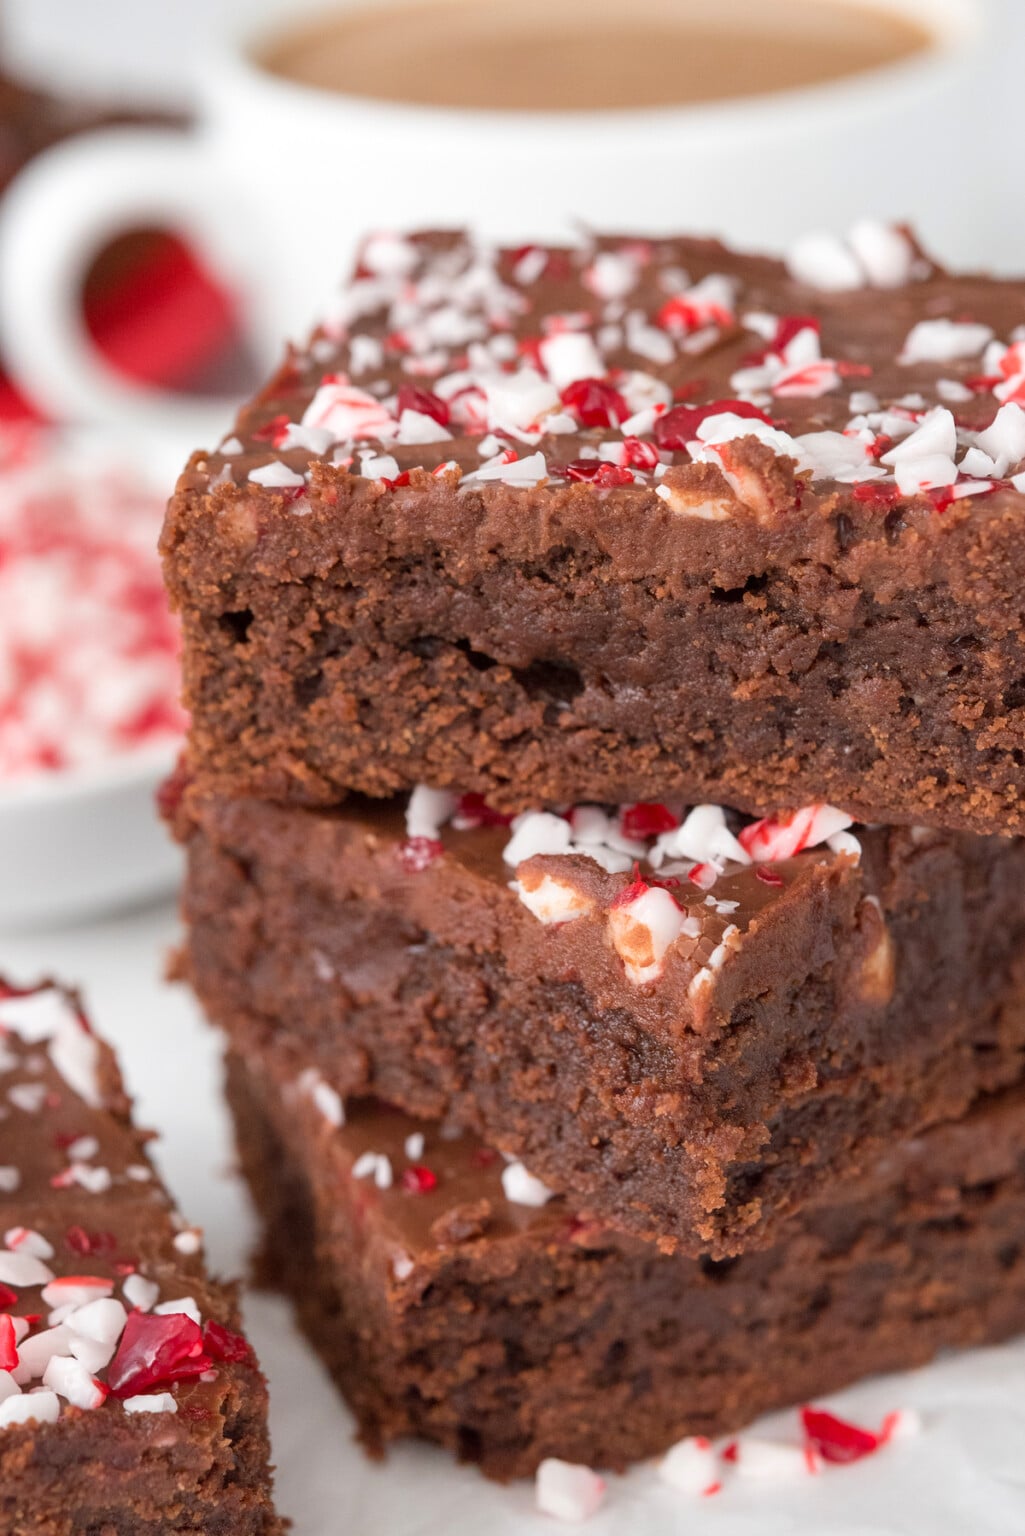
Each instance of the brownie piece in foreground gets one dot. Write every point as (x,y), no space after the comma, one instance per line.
(647,519)
(129,1401)
(445,1307)
(686,1033)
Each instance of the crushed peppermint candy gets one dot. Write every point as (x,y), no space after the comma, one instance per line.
(615,367)
(88,648)
(652,913)
(522,1188)
(68,1339)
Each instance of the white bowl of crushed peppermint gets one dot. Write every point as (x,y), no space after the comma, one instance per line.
(89,716)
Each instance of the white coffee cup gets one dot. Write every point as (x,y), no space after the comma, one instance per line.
(278,181)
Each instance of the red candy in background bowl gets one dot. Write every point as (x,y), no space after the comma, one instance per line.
(89,714)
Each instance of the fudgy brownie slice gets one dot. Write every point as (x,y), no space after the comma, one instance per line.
(687,1027)
(448,1308)
(646,519)
(129,1401)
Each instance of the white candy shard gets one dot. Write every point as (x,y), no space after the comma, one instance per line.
(522,1188)
(774,1461)
(184,1305)
(24,1240)
(886,255)
(376,1166)
(322,1095)
(537,832)
(825,262)
(150,1402)
(704,837)
(690,1466)
(140,1292)
(20,1269)
(944,341)
(428,811)
(276,476)
(30,1408)
(70,1379)
(1004,438)
(571,355)
(36,1352)
(568,1492)
(418,427)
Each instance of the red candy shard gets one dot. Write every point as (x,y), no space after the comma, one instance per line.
(7,1296)
(156,1350)
(836,1440)
(412,398)
(418,1180)
(83,1242)
(682,314)
(417,854)
(474,811)
(679,426)
(595,403)
(640,455)
(648,818)
(221,1343)
(272,431)
(875,495)
(768,876)
(598,472)
(789,326)
(631,892)
(703,876)
(8,1343)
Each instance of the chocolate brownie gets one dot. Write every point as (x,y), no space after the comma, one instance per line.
(130,1403)
(645,519)
(685,1028)
(446,1308)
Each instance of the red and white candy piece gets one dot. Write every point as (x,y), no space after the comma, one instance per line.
(71,1380)
(348,413)
(25,1240)
(781,837)
(76,1290)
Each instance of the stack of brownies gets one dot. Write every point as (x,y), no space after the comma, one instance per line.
(603,809)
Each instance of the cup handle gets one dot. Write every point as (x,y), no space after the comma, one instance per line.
(57,215)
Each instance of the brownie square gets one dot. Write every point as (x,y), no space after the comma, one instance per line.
(646,519)
(687,1032)
(508,1332)
(130,1403)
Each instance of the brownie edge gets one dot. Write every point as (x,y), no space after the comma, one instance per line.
(506,1333)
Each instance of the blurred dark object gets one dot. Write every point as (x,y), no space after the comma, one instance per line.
(149,303)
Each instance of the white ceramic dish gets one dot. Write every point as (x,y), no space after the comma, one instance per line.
(79,842)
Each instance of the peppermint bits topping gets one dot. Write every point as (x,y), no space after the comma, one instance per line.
(626,370)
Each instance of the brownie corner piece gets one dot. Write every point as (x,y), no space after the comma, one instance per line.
(130,1401)
(700,530)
